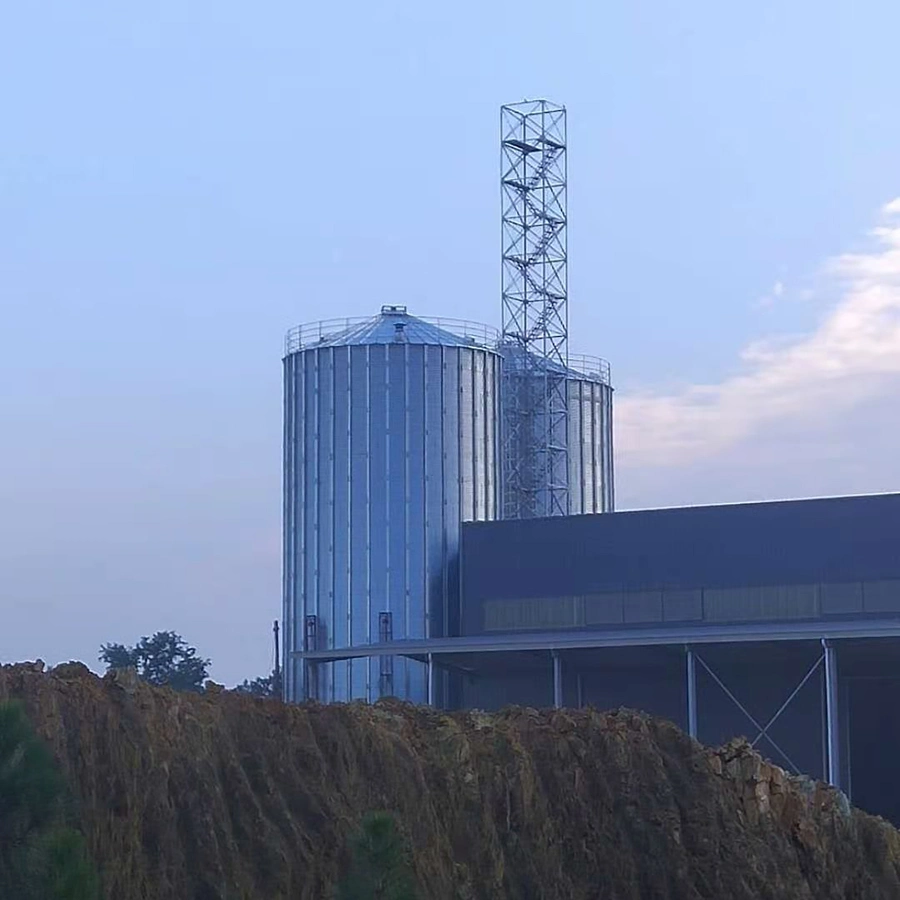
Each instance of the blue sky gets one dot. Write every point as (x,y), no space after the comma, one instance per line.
(182,182)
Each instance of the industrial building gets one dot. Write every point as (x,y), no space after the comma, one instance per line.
(779,621)
(450,535)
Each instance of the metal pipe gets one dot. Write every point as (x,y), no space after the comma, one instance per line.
(691,661)
(557,680)
(429,670)
(831,713)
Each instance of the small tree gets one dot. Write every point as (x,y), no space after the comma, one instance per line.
(30,785)
(380,867)
(164,659)
(40,858)
(269,686)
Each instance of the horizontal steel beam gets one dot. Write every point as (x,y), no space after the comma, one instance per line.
(632,637)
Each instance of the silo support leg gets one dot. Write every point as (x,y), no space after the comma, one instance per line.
(831,713)
(557,680)
(691,660)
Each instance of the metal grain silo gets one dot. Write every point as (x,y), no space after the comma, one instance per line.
(391,441)
(586,433)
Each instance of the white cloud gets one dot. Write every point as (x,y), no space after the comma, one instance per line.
(769,299)
(786,386)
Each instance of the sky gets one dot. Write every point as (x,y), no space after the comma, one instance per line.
(182,181)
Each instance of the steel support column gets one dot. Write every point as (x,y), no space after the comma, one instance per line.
(579,689)
(557,680)
(429,676)
(831,713)
(848,762)
(691,662)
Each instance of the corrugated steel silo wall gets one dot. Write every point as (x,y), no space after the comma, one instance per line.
(590,447)
(388,448)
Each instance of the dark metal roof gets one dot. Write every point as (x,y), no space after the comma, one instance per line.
(840,539)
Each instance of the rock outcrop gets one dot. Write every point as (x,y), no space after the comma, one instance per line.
(221,796)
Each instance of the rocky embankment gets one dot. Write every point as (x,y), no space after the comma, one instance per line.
(185,797)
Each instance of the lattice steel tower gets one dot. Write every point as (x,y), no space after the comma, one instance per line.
(535,314)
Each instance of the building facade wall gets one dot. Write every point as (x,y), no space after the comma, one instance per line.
(744,563)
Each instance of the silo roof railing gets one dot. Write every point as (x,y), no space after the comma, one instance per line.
(393,324)
(581,366)
(593,367)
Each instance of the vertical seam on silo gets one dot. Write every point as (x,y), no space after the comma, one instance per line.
(487,474)
(426,497)
(482,355)
(574,457)
(499,475)
(600,446)
(313,545)
(490,472)
(473,413)
(406,592)
(285,518)
(287,539)
(599,440)
(386,605)
(591,451)
(609,434)
(445,581)
(368,518)
(317,487)
(331,499)
(349,487)
(579,437)
(588,447)
(470,414)
(301,507)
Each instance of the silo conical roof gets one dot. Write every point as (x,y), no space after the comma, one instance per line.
(394,324)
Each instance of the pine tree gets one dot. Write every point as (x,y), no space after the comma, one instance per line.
(380,868)
(40,857)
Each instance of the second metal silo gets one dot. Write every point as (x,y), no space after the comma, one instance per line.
(391,442)
(586,434)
